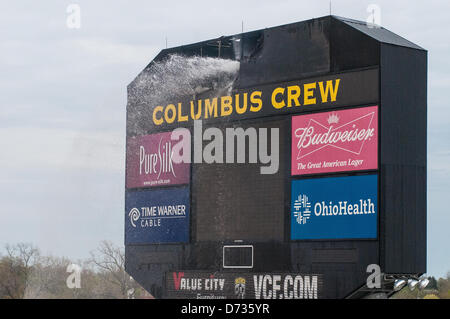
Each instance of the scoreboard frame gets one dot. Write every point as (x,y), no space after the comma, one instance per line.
(373,67)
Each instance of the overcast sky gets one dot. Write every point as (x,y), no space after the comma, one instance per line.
(63,98)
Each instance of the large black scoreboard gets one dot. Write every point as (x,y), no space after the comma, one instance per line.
(279,163)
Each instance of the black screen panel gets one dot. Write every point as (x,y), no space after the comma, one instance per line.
(236,202)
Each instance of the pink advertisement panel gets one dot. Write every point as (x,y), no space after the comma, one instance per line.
(150,162)
(335,141)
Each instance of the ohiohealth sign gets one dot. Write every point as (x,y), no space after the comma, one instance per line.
(335,141)
(157,216)
(334,208)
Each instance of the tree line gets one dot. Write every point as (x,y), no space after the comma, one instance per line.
(26,273)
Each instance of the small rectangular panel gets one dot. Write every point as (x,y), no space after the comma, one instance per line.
(238,256)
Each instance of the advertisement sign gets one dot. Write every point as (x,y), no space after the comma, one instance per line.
(335,141)
(157,216)
(296,96)
(334,208)
(150,162)
(209,285)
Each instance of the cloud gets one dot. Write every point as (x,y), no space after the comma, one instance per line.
(43,148)
(108,52)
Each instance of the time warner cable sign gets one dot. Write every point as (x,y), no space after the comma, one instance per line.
(157,216)
(334,208)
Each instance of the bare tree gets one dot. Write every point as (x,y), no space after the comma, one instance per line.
(47,279)
(25,252)
(110,261)
(12,279)
(25,273)
(15,269)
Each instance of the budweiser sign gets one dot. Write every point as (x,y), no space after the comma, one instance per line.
(335,141)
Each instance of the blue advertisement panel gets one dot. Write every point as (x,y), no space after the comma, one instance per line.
(334,208)
(157,216)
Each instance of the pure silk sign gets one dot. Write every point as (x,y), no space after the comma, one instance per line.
(335,141)
(150,162)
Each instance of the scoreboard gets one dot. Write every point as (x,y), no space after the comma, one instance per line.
(278,163)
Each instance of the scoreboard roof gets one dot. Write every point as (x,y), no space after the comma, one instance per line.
(332,29)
